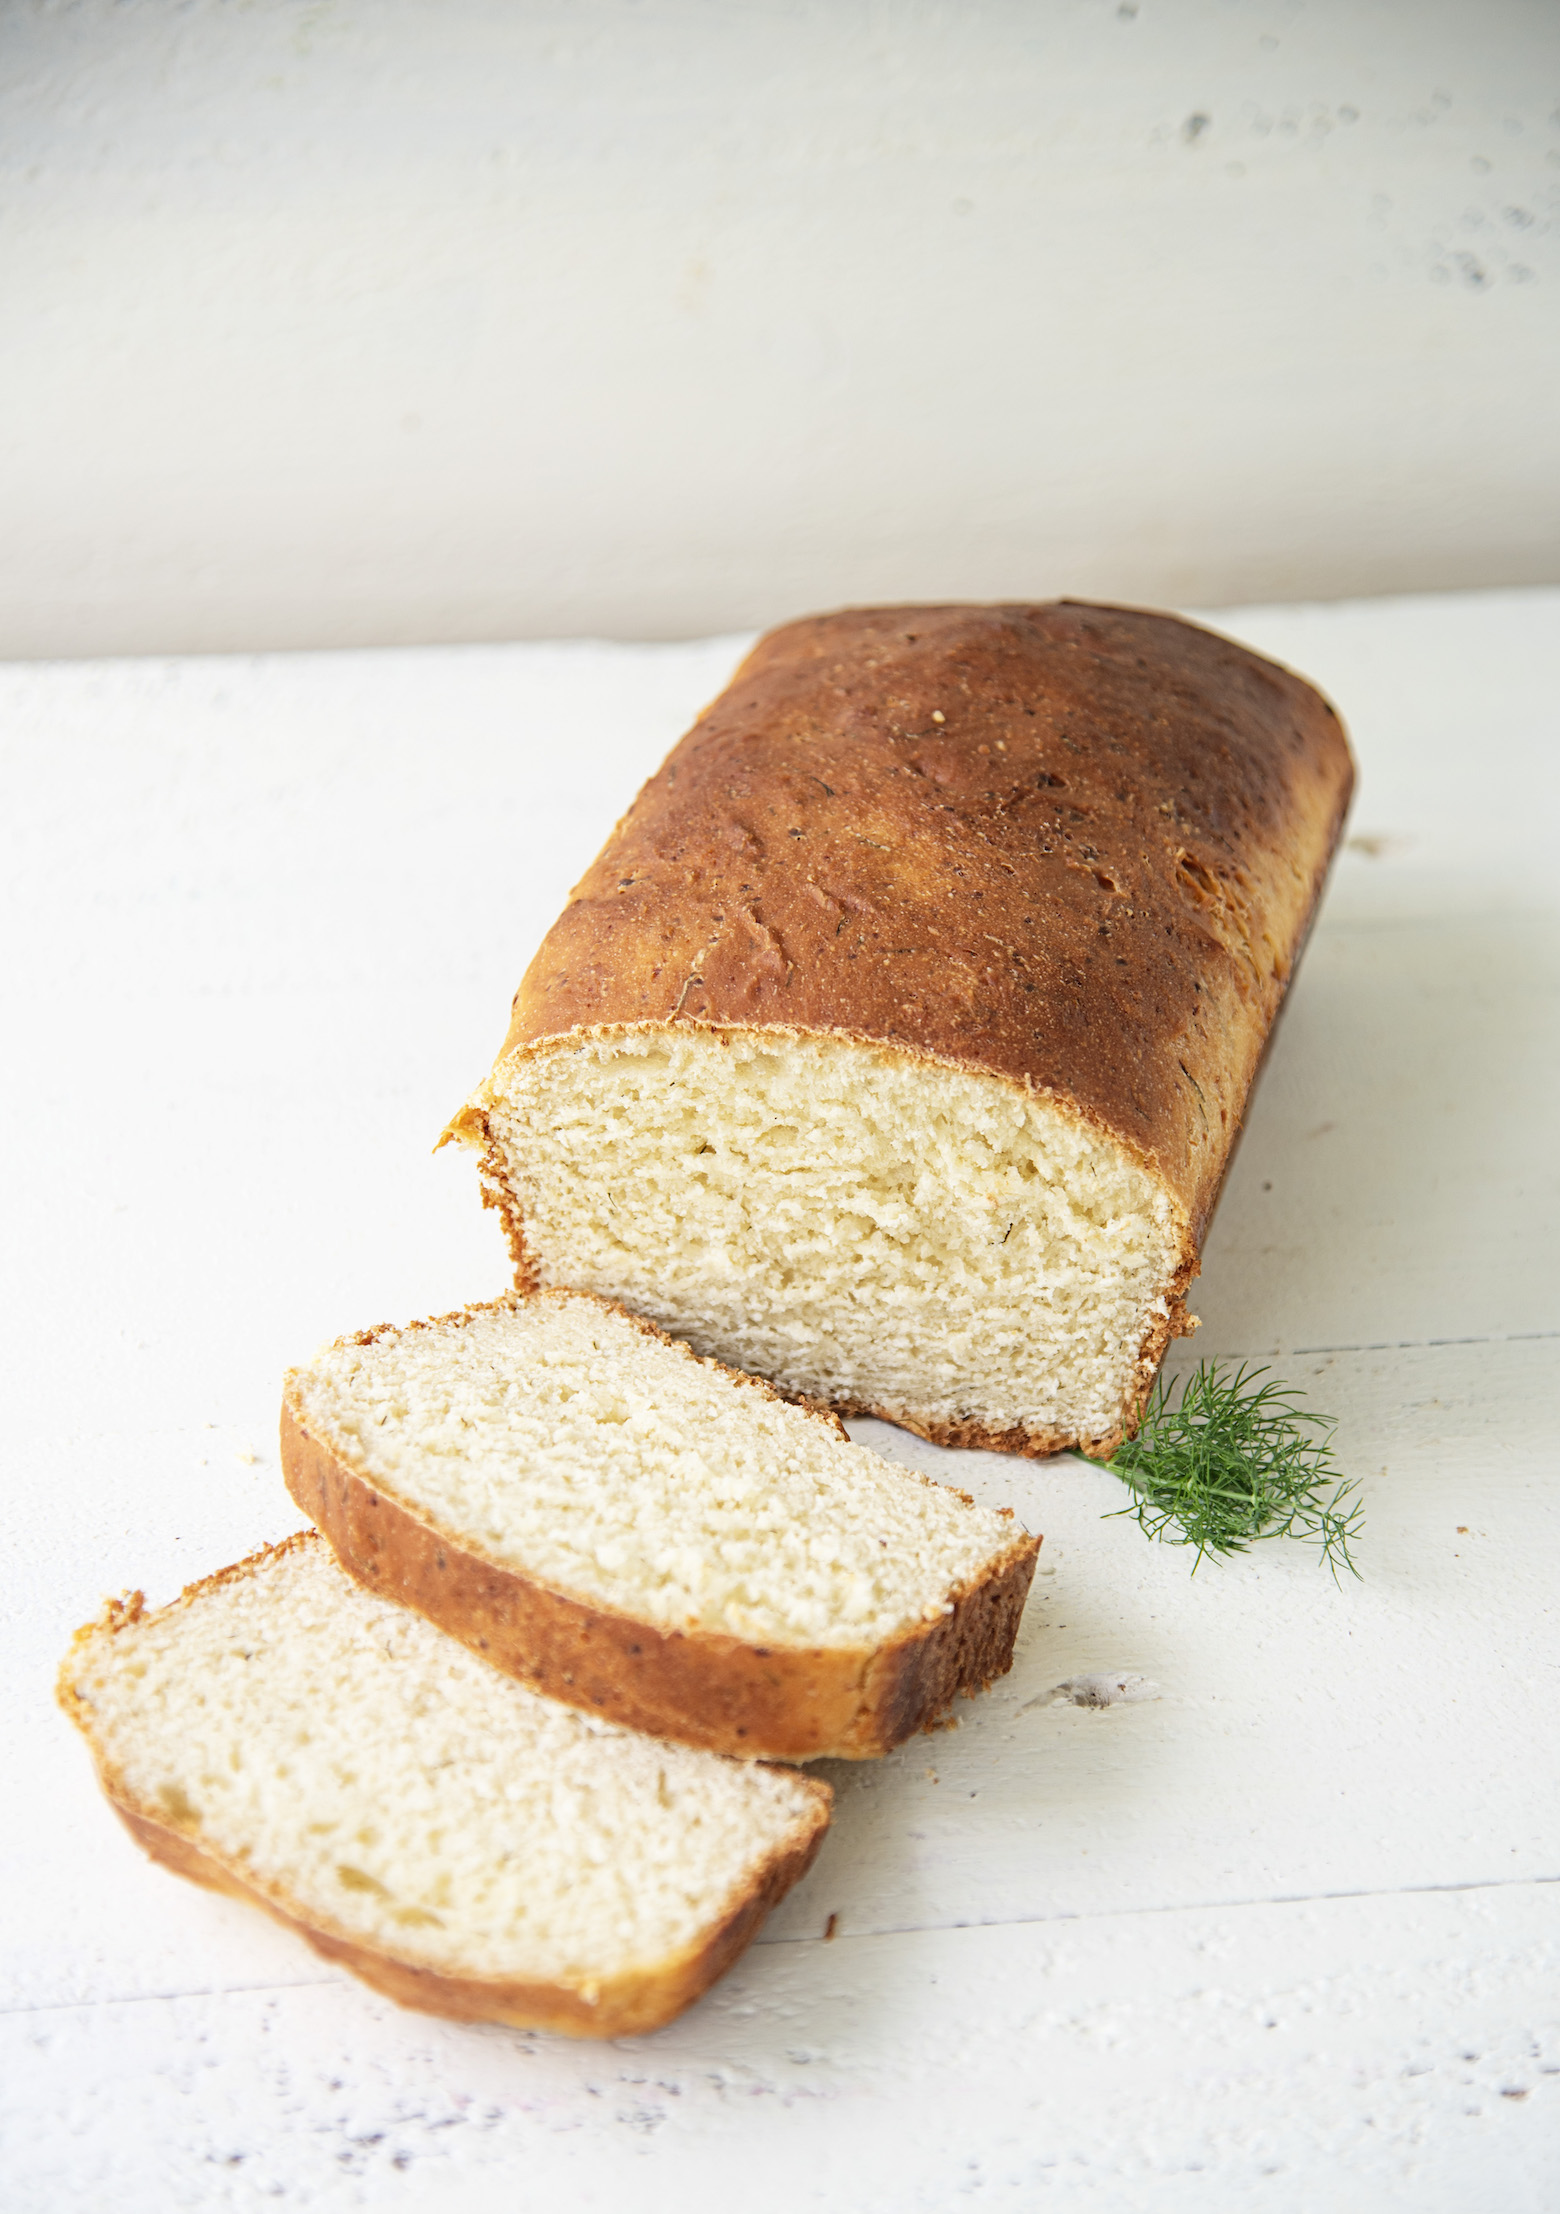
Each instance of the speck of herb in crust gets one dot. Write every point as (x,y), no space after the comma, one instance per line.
(1232,1458)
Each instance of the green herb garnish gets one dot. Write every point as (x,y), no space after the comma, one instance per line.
(1235,1459)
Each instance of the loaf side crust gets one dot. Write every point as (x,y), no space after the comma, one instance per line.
(700,1687)
(642,1999)
(1075,847)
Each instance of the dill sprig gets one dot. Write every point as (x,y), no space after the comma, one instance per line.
(1233,1459)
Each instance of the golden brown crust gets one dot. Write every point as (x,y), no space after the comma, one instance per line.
(698,1686)
(497,1195)
(623,2006)
(1076,847)
(913,1682)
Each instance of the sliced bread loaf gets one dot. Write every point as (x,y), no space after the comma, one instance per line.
(622,1524)
(458,1842)
(895,1045)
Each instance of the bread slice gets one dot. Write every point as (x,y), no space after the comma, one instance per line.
(896,1043)
(598,1511)
(456,1841)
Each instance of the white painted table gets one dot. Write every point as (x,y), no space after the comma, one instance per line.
(1285,1937)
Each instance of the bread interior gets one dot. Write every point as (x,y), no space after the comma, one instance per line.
(377,1780)
(562,1439)
(861,1226)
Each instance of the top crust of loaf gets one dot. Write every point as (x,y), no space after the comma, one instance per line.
(1075,847)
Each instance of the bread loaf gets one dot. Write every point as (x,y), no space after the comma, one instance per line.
(456,1841)
(622,1525)
(896,1043)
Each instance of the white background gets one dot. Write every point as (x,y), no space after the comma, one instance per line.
(357,321)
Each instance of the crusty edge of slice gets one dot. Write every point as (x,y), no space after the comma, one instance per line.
(699,1686)
(642,1999)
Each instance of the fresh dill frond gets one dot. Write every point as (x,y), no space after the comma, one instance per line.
(1232,1459)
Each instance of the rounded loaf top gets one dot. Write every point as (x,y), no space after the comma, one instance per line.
(1077,847)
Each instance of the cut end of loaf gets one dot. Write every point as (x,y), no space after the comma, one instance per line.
(871,1229)
(443,1832)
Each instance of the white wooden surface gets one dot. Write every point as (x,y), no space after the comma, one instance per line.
(1284,1936)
